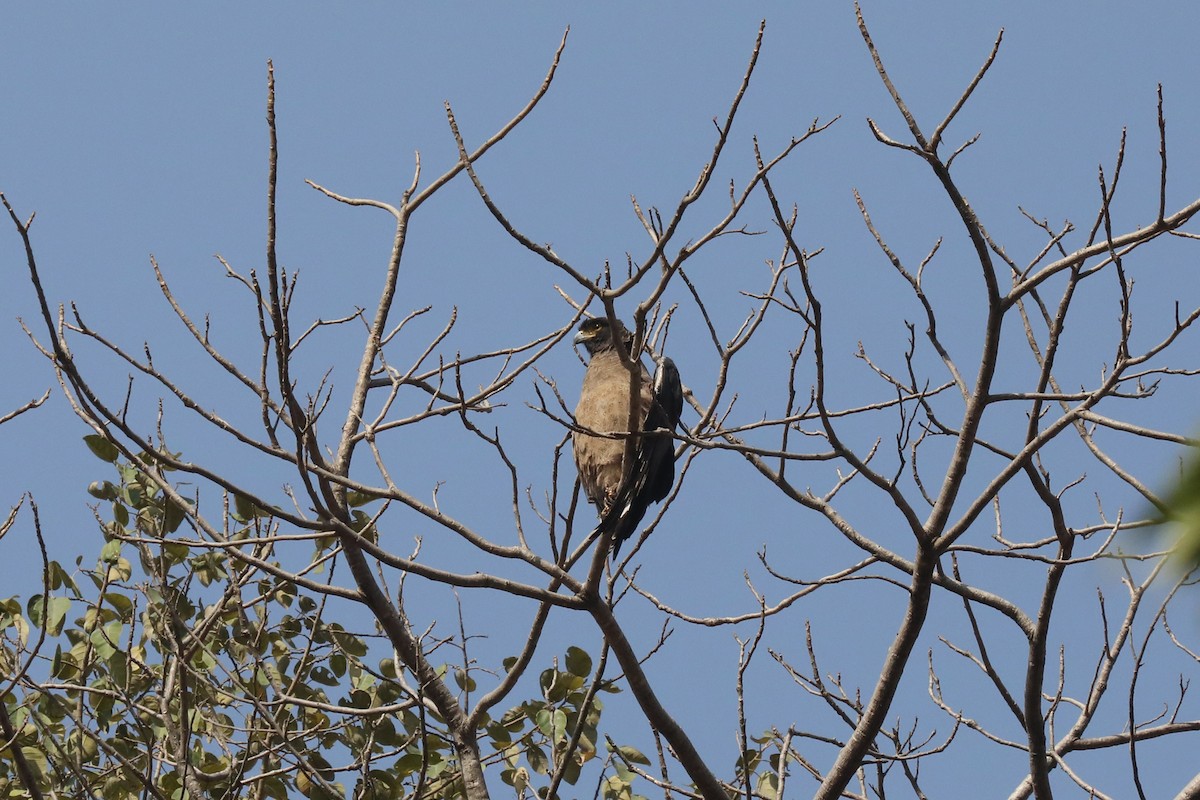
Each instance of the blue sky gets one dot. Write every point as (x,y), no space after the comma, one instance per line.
(141,131)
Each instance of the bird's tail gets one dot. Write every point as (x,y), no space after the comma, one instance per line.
(622,519)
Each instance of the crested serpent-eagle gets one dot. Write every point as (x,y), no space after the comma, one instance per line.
(622,495)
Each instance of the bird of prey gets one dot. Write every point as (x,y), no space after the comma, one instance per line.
(621,494)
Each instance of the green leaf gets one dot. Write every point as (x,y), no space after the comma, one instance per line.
(749,761)
(409,763)
(536,757)
(118,666)
(110,552)
(579,662)
(1183,510)
(35,758)
(355,499)
(244,509)
(385,732)
(464,681)
(102,707)
(362,524)
(350,643)
(49,615)
(324,677)
(173,516)
(176,553)
(59,578)
(552,723)
(66,664)
(556,685)
(323,767)
(616,787)
(101,447)
(633,755)
(572,769)
(120,570)
(560,725)
(499,734)
(102,490)
(543,722)
(104,639)
(209,568)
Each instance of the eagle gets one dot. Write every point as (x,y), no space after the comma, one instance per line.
(621,495)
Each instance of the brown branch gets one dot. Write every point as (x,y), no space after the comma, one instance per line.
(689,758)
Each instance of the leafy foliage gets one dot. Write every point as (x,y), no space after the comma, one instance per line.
(170,669)
(1184,512)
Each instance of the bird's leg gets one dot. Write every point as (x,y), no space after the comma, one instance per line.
(610,498)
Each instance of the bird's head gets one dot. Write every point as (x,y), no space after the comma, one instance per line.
(597,335)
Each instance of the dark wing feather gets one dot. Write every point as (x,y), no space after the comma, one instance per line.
(654,459)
